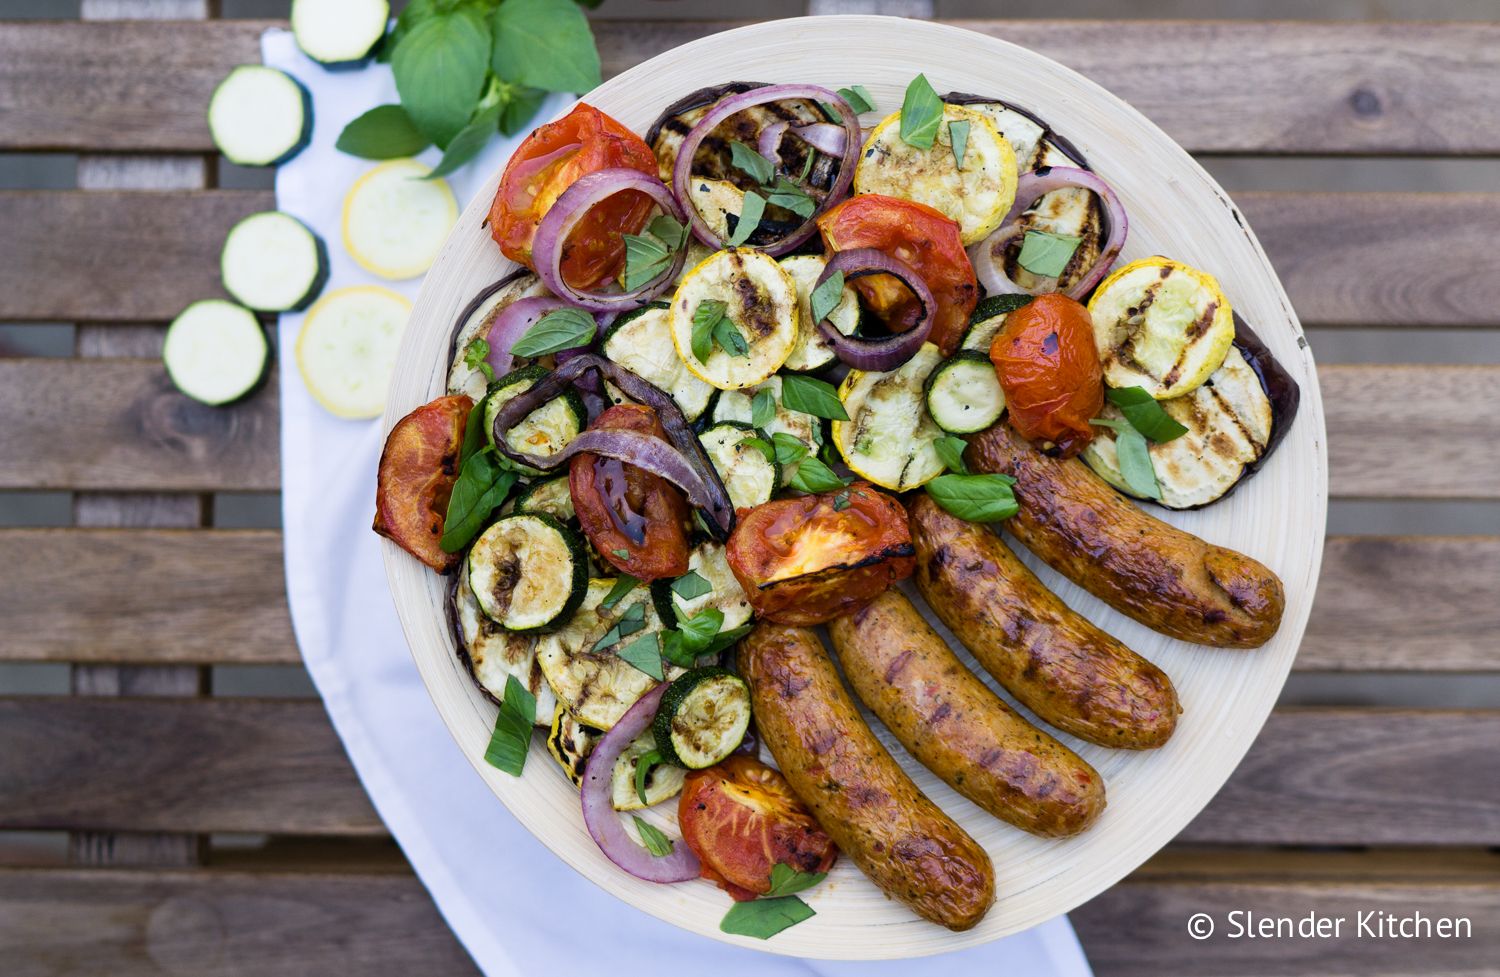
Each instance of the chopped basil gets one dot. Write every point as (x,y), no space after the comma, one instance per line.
(511,740)
(786,881)
(763,407)
(787,448)
(813,476)
(785,193)
(649,255)
(705,317)
(975,498)
(728,336)
(691,585)
(474,438)
(622,554)
(807,162)
(482,485)
(1134,457)
(624,584)
(666,228)
(698,630)
(760,444)
(475,358)
(826,297)
(1145,414)
(921,114)
(812,396)
(1046,254)
(748,220)
(558,330)
(958,134)
(643,767)
(859,98)
(652,838)
(644,654)
(841,502)
(751,163)
(950,450)
(764,918)
(629,623)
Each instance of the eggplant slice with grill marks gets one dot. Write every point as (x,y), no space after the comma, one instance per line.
(492,654)
(1071,212)
(474,323)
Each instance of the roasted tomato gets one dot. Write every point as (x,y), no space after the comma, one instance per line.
(636,520)
(1049,368)
(741,819)
(806,560)
(417,470)
(552,159)
(921,237)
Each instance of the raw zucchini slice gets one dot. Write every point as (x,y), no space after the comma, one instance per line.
(748,474)
(528,572)
(889,436)
(595,683)
(1161,325)
(546,430)
(976,194)
(215,351)
(641,341)
(492,654)
(570,742)
(813,351)
(1229,420)
(710,562)
(988,319)
(549,496)
(964,395)
(663,781)
(260,116)
(760,303)
(339,34)
(739,405)
(272,262)
(474,322)
(395,221)
(347,348)
(702,718)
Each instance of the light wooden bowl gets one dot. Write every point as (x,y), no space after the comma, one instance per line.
(1278,517)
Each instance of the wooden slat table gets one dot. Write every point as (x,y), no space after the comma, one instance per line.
(1339,807)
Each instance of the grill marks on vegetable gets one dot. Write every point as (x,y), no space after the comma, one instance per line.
(755,308)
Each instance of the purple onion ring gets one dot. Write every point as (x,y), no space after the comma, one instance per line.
(825,137)
(886,352)
(511,323)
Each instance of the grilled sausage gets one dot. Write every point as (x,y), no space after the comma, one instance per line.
(907,846)
(1167,579)
(957,727)
(1058,664)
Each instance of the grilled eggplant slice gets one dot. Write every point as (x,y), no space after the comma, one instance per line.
(641,341)
(491,654)
(889,436)
(748,474)
(474,323)
(709,561)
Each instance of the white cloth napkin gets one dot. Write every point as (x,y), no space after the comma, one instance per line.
(516,907)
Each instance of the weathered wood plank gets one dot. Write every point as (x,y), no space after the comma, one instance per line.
(1396,88)
(1401,604)
(1368,259)
(1315,776)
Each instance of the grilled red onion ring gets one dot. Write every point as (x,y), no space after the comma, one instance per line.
(988,256)
(680,459)
(570,207)
(682,172)
(599,816)
(885,352)
(825,137)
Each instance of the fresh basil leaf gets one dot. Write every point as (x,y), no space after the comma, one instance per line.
(813,476)
(643,767)
(480,489)
(468,143)
(691,585)
(384,132)
(763,407)
(750,162)
(1046,254)
(727,335)
(812,396)
(415,11)
(764,918)
(440,67)
(705,318)
(841,502)
(545,44)
(668,231)
(624,584)
(859,98)
(807,164)
(646,258)
(826,297)
(950,450)
(787,194)
(518,106)
(674,650)
(1135,463)
(476,358)
(621,554)
(652,838)
(786,881)
(511,740)
(975,498)
(724,639)
(788,448)
(751,211)
(698,630)
(558,330)
(921,114)
(760,444)
(1145,414)
(644,654)
(633,620)
(958,135)
(474,437)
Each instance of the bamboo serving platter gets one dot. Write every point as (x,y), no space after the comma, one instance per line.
(1277,517)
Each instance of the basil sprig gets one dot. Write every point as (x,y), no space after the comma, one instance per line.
(921,114)
(556,331)
(476,358)
(975,498)
(812,396)
(511,740)
(1046,254)
(699,635)
(1145,413)
(950,451)
(778,909)
(813,476)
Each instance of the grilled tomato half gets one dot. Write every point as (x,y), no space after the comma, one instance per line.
(417,470)
(1049,369)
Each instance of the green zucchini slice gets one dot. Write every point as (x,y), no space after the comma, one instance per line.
(988,318)
(711,564)
(964,394)
(739,405)
(528,572)
(549,496)
(889,438)
(546,430)
(703,717)
(748,474)
(663,781)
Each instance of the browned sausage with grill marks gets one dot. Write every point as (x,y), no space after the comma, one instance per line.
(1054,660)
(1165,578)
(948,719)
(907,846)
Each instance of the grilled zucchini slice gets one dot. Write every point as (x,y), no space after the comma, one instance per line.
(474,322)
(1161,325)
(571,742)
(491,654)
(1229,420)
(546,430)
(528,572)
(760,303)
(748,474)
(977,194)
(889,436)
(964,395)
(641,341)
(710,561)
(549,496)
(739,405)
(988,319)
(703,717)
(813,351)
